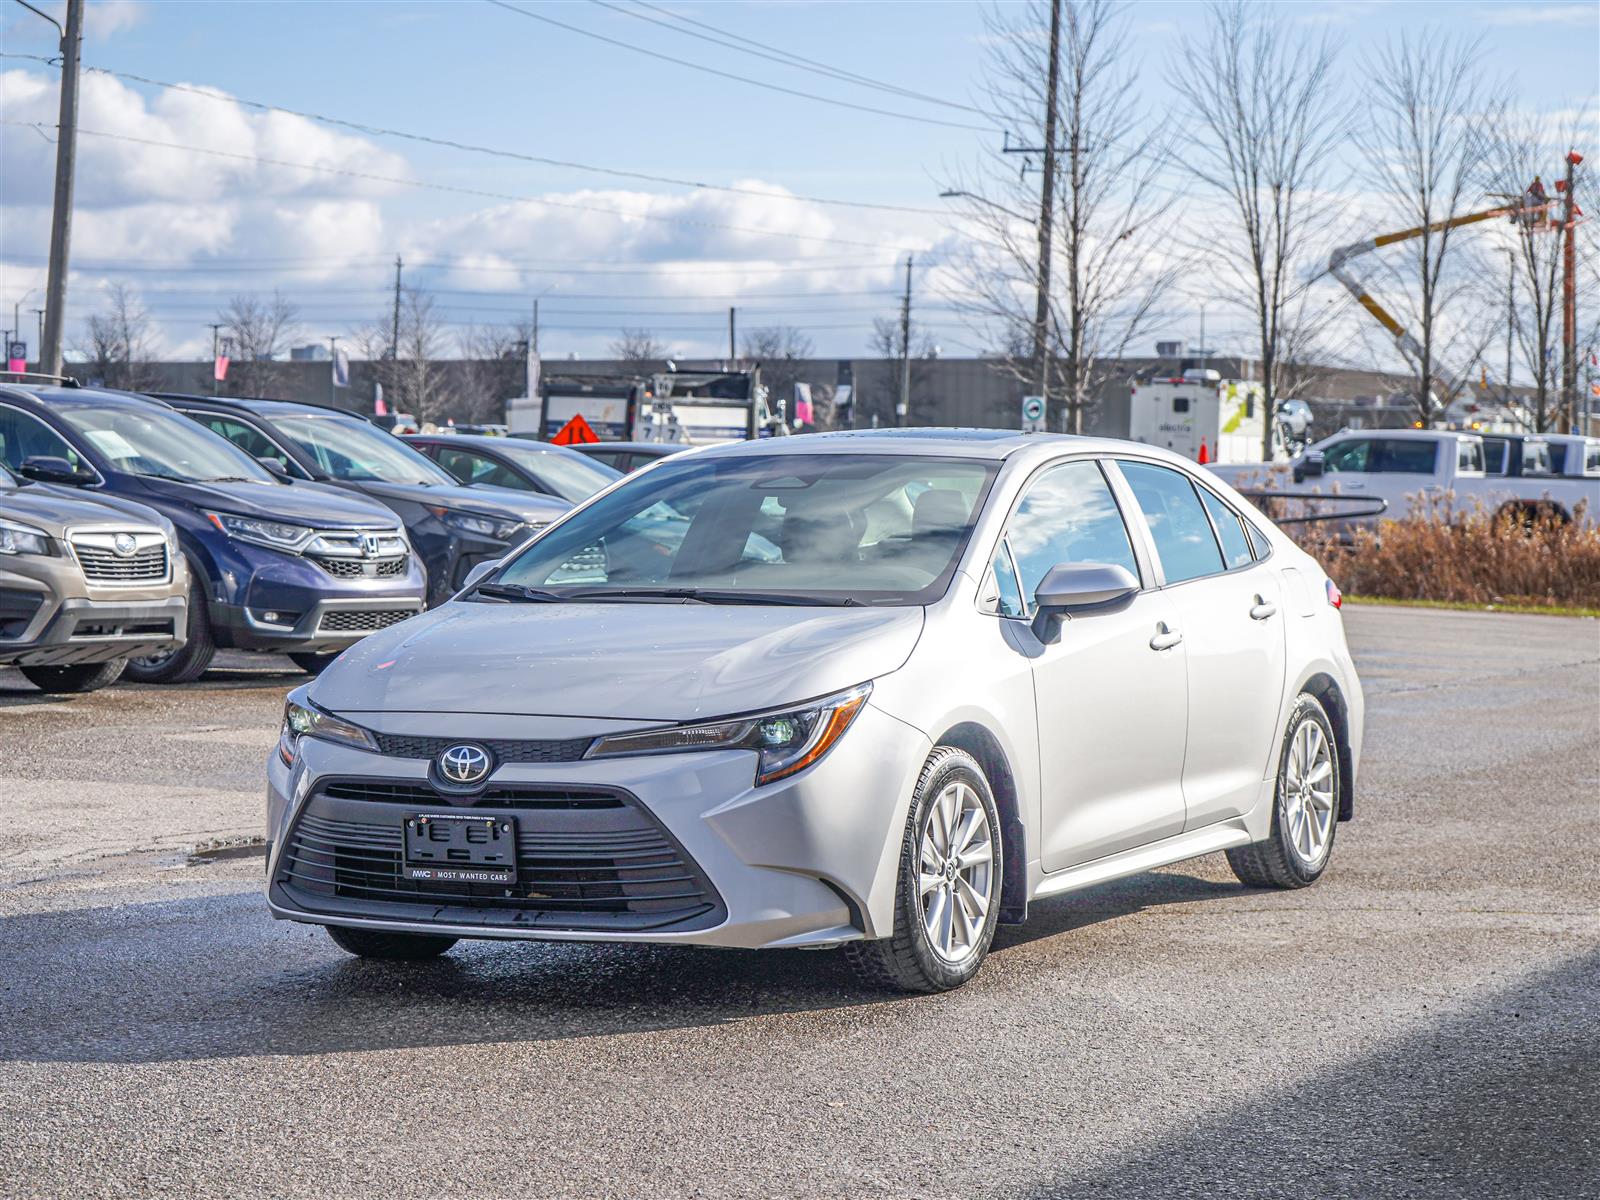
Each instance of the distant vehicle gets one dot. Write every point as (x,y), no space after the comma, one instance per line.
(86,583)
(1408,467)
(1199,415)
(691,407)
(452,527)
(302,571)
(517,464)
(1574,456)
(397,423)
(627,457)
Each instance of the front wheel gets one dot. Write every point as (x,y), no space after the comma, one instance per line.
(313,664)
(380,943)
(79,677)
(1305,812)
(190,660)
(948,897)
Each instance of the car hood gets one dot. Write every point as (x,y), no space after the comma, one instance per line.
(622,661)
(54,509)
(298,504)
(500,502)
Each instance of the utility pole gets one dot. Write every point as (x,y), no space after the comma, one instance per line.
(536,326)
(1511,322)
(1569,305)
(733,349)
(55,303)
(1047,202)
(394,332)
(903,409)
(216,351)
(333,370)
(39,350)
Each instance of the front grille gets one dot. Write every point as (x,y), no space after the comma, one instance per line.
(509,795)
(356,568)
(102,564)
(362,620)
(607,866)
(506,750)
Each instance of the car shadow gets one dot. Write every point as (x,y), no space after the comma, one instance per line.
(215,976)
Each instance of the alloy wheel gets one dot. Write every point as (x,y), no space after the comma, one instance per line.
(956,871)
(1307,799)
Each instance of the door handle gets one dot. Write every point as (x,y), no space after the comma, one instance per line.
(1262,609)
(1165,639)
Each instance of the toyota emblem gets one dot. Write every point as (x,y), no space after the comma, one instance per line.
(124,544)
(464,765)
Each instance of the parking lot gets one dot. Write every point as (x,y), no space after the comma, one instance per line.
(1421,1023)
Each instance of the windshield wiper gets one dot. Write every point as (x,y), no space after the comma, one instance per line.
(714,596)
(515,591)
(231,479)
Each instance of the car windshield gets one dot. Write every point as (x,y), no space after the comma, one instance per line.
(148,440)
(566,473)
(881,529)
(354,450)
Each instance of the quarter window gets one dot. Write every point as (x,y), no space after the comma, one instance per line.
(1230,530)
(476,468)
(1177,521)
(1469,457)
(1009,592)
(1068,516)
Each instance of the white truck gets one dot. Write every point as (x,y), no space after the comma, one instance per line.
(1200,415)
(1407,467)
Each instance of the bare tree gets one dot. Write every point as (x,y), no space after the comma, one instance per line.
(260,331)
(414,379)
(1267,126)
(638,346)
(494,368)
(1109,265)
(1426,101)
(878,386)
(777,348)
(120,345)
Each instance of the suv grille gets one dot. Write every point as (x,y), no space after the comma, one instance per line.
(609,867)
(101,563)
(362,620)
(506,750)
(356,568)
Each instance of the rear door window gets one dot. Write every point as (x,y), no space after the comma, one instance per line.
(1411,456)
(1177,521)
(470,467)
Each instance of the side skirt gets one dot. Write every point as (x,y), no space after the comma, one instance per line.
(1192,844)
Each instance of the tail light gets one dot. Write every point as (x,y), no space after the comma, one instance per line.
(1335,596)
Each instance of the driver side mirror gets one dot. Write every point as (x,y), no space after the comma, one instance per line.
(47,468)
(1309,467)
(276,467)
(478,573)
(1071,588)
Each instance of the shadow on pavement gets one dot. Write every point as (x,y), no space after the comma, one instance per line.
(216,977)
(1498,1101)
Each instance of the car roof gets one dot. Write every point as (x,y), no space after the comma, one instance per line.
(954,443)
(485,441)
(622,447)
(56,396)
(265,408)
(1410,434)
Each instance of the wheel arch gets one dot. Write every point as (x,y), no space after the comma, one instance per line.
(1325,689)
(977,740)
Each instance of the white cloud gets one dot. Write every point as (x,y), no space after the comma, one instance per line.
(1541,14)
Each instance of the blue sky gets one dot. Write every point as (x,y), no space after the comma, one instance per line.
(186,229)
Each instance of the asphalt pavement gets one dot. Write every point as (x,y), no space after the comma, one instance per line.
(1424,1022)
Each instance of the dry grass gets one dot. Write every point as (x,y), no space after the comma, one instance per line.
(1441,554)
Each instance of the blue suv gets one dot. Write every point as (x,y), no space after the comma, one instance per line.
(300,570)
(453,527)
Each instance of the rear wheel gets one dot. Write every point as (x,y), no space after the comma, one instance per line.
(1305,813)
(190,660)
(947,898)
(313,664)
(79,677)
(380,943)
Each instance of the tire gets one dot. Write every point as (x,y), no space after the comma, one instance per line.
(395,947)
(1283,860)
(80,677)
(190,660)
(910,960)
(313,664)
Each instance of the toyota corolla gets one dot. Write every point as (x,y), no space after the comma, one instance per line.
(870,691)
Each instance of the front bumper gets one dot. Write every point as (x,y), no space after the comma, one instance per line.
(51,616)
(287,603)
(806,861)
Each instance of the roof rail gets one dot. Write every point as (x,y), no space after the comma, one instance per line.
(63,380)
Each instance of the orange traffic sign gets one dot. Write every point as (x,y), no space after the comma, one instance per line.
(574,432)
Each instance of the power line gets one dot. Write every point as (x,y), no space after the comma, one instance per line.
(657,56)
(474,148)
(456,190)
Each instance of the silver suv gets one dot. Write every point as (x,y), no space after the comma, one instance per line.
(85,584)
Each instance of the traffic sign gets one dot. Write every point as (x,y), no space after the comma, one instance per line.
(575,432)
(1033,414)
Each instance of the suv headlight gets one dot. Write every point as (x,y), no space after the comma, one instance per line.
(277,535)
(23,539)
(302,719)
(500,529)
(786,741)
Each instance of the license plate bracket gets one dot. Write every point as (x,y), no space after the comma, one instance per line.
(460,848)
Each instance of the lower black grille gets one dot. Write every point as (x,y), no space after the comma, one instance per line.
(362,620)
(506,750)
(586,860)
(358,568)
(16,610)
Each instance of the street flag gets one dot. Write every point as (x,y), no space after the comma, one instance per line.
(533,373)
(341,369)
(802,404)
(219,368)
(16,357)
(575,432)
(379,409)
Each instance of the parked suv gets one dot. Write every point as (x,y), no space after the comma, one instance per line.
(300,570)
(453,528)
(86,582)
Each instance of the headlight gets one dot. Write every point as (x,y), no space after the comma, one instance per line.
(276,534)
(23,539)
(500,529)
(786,742)
(301,719)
